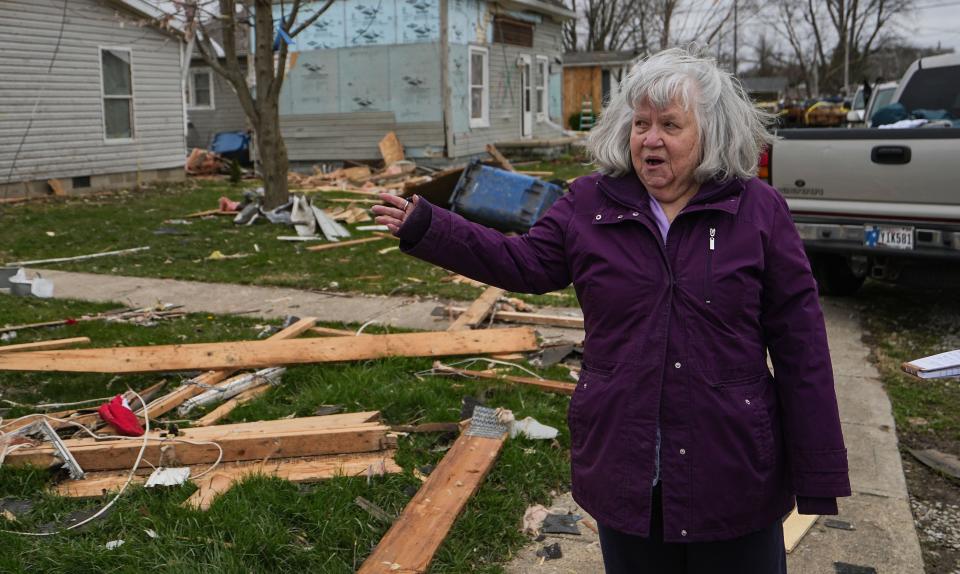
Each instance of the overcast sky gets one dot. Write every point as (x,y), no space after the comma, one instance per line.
(935,21)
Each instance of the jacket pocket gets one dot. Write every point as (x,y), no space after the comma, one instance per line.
(589,385)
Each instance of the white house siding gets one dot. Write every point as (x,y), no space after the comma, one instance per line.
(66,135)
(226,115)
(505,90)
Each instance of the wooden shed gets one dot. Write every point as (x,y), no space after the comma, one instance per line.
(590,78)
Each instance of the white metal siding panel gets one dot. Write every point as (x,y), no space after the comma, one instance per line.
(65,138)
(505,96)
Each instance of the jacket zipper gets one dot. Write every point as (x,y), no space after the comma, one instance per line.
(708,279)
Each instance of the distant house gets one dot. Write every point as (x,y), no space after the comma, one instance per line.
(88,96)
(765,88)
(212,104)
(590,78)
(448,76)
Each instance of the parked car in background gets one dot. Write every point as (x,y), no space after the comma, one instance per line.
(883,203)
(881,95)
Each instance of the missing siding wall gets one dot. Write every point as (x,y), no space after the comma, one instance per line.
(514,32)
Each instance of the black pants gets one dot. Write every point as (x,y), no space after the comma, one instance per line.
(759,552)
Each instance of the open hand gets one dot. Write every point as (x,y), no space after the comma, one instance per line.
(394,211)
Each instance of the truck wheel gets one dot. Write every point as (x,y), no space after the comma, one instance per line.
(834,276)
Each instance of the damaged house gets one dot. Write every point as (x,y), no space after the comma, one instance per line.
(91,96)
(368,67)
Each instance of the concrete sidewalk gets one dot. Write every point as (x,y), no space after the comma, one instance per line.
(270,302)
(884,537)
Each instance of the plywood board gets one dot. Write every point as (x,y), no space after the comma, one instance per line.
(259,354)
(795,527)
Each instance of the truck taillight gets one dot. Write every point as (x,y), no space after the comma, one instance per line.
(764,164)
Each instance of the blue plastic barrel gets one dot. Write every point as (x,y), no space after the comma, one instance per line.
(504,200)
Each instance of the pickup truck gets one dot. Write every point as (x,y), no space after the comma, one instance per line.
(880,203)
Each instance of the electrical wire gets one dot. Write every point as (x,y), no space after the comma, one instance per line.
(133,471)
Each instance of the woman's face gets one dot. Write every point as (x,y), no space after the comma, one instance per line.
(665,148)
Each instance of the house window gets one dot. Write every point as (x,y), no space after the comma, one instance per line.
(200,90)
(541,76)
(117,83)
(479,74)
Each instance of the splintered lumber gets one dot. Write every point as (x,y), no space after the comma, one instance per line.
(543,384)
(795,527)
(200,383)
(80,257)
(528,318)
(308,436)
(45,345)
(305,469)
(326,246)
(390,149)
(227,407)
(478,310)
(416,535)
(503,161)
(259,354)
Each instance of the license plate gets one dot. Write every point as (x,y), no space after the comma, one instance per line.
(887,236)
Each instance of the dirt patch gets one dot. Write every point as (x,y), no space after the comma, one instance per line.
(935,502)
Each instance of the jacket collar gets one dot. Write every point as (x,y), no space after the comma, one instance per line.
(628,191)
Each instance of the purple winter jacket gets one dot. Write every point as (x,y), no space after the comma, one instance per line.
(677,336)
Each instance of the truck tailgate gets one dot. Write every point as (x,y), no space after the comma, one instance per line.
(896,173)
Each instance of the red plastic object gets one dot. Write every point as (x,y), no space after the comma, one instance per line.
(120,417)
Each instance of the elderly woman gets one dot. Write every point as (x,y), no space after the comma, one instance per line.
(689,270)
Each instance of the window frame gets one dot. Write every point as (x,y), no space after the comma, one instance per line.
(484,120)
(543,90)
(104,96)
(192,90)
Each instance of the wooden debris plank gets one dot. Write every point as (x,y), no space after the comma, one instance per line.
(358,200)
(558,387)
(178,396)
(503,161)
(348,243)
(416,535)
(535,173)
(80,257)
(390,149)
(528,318)
(228,407)
(57,187)
(259,354)
(795,527)
(267,440)
(478,310)
(34,325)
(48,345)
(329,332)
(303,469)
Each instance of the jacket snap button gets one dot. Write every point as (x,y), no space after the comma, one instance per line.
(598,217)
(683,451)
(636,213)
(683,533)
(619,217)
(747,401)
(677,365)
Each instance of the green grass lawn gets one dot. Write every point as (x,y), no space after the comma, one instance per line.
(80,226)
(904,324)
(269,525)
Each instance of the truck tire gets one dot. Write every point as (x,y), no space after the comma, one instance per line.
(834,276)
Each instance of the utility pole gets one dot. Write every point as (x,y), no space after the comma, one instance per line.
(735,3)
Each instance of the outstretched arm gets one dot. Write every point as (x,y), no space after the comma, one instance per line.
(534,262)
